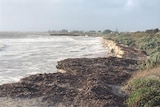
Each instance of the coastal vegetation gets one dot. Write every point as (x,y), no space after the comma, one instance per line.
(146,41)
(143,88)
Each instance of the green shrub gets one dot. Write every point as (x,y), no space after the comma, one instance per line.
(149,42)
(144,41)
(144,93)
(126,41)
(152,61)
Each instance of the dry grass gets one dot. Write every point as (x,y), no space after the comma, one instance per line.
(155,72)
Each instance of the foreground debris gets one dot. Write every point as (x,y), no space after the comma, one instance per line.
(87,82)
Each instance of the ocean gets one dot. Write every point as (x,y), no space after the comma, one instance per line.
(24,54)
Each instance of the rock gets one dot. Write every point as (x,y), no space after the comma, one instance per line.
(86,83)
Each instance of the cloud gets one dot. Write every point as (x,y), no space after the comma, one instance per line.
(131,4)
(75,14)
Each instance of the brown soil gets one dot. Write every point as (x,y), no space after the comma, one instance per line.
(87,82)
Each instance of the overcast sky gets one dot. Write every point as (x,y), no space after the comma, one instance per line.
(44,15)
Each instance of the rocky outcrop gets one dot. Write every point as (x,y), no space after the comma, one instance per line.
(86,82)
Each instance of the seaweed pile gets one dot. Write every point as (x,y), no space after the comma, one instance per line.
(86,82)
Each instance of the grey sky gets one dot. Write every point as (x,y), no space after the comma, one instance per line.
(42,15)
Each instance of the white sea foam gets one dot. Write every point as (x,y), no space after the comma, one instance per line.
(24,56)
(2,46)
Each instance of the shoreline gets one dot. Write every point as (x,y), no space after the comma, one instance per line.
(82,82)
(122,51)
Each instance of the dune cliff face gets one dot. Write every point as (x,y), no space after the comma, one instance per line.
(121,51)
(113,48)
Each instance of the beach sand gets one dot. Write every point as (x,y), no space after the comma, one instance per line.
(10,102)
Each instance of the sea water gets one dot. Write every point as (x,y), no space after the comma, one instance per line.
(23,55)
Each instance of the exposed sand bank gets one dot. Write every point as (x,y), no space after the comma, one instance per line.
(121,51)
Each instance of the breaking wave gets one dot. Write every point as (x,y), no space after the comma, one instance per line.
(39,54)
